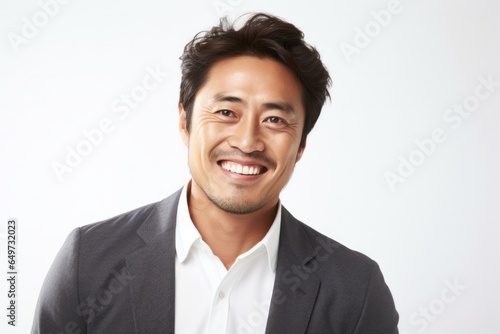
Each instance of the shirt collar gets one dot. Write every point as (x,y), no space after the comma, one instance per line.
(186,234)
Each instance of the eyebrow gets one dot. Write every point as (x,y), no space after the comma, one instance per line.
(283,106)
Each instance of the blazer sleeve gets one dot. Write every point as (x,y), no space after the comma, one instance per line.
(379,315)
(57,307)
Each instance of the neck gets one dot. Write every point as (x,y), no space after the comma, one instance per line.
(229,235)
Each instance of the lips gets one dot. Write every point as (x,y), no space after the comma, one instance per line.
(242,169)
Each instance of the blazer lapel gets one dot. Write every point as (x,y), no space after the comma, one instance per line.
(153,270)
(295,289)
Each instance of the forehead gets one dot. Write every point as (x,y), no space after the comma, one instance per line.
(252,79)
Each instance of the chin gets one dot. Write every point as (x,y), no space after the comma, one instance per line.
(238,208)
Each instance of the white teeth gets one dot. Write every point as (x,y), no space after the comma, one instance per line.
(240,169)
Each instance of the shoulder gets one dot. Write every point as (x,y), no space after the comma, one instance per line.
(337,252)
(352,294)
(119,227)
(325,249)
(91,268)
(102,246)
(349,274)
(128,228)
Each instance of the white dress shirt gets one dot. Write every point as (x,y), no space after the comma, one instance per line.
(212,300)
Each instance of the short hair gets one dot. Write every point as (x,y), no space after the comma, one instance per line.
(263,36)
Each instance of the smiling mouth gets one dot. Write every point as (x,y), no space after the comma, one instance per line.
(234,167)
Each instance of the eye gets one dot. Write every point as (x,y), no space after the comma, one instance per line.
(226,113)
(275,119)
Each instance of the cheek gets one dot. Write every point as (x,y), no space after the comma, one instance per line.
(285,148)
(203,139)
(285,160)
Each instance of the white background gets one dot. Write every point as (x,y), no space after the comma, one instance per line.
(439,225)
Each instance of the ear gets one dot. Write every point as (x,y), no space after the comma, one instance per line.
(182,125)
(301,151)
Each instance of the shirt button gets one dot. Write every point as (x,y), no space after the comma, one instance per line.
(221,295)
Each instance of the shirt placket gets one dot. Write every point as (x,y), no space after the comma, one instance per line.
(219,314)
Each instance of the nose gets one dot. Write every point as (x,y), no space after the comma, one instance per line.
(247,136)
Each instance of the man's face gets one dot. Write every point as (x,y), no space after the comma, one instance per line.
(245,133)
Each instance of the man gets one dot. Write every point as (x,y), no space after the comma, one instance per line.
(222,255)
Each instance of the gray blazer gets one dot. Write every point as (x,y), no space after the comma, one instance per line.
(118,276)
